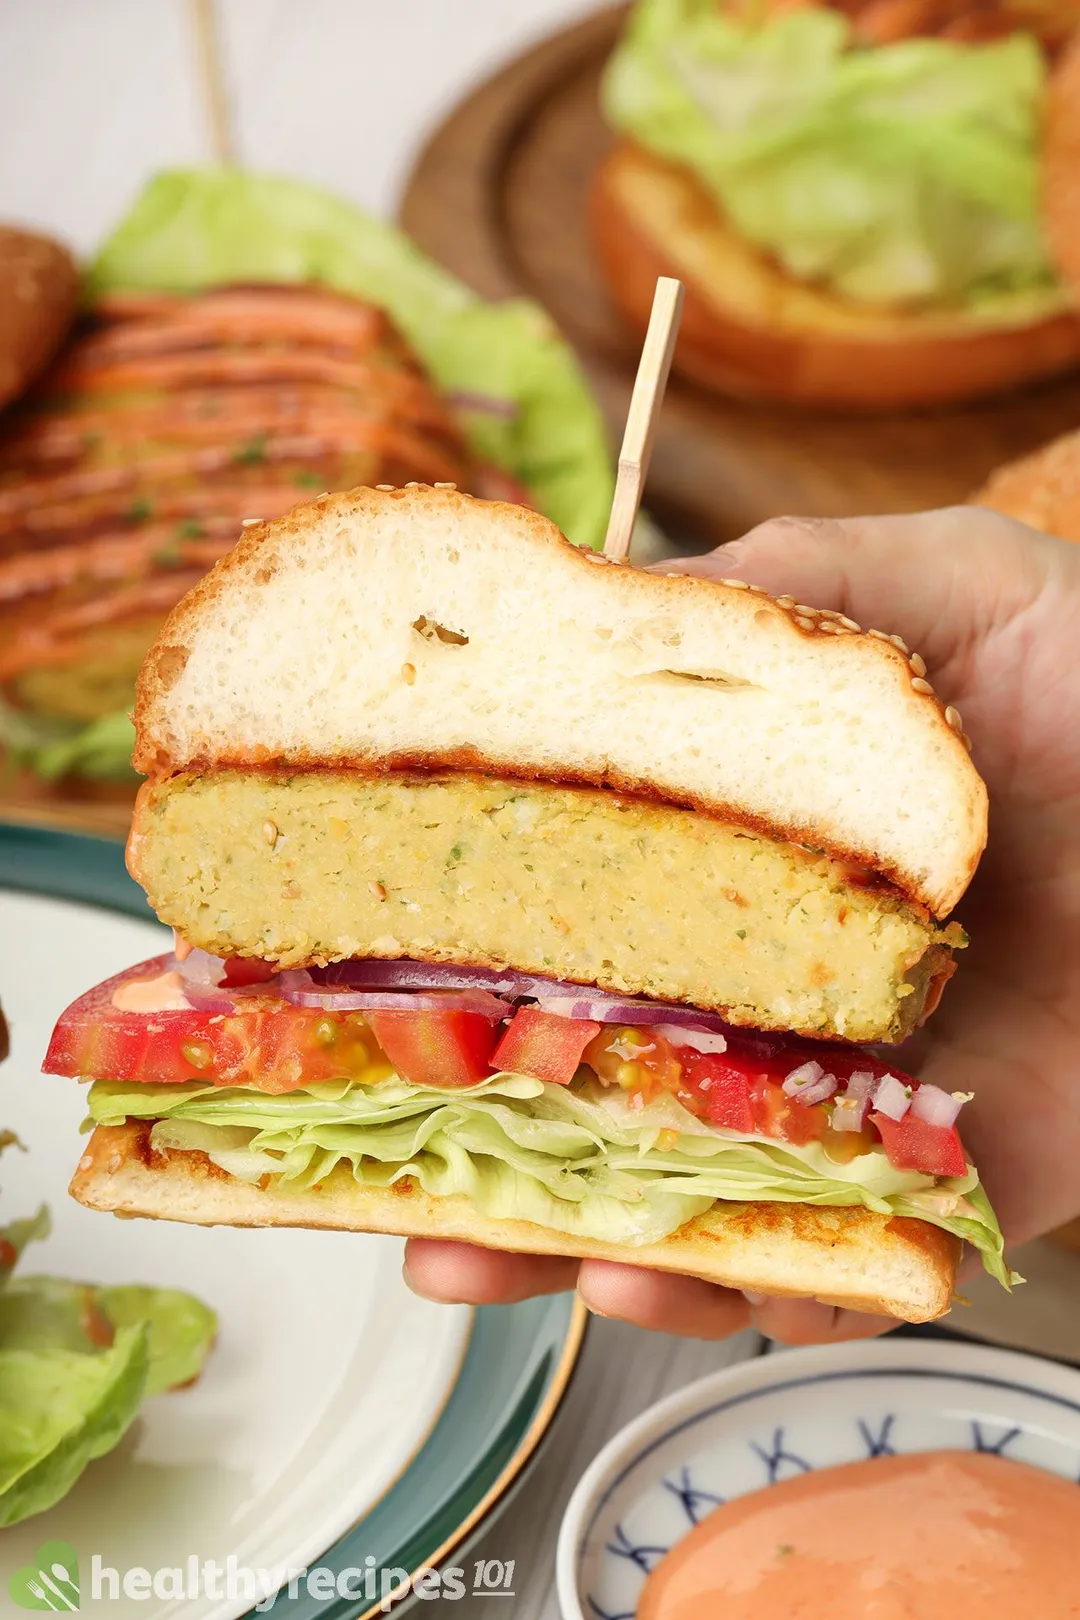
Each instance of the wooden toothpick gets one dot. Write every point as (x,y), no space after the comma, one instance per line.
(645,402)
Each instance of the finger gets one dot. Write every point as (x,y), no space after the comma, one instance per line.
(807,1321)
(462,1274)
(685,1306)
(942,580)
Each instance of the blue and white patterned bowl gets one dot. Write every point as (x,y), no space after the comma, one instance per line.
(763,1421)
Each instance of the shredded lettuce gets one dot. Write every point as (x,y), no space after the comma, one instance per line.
(578,1160)
(904,173)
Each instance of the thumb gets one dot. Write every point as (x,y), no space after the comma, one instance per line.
(943,581)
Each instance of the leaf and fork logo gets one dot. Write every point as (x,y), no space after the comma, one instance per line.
(50,1582)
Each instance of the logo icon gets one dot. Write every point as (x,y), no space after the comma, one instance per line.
(50,1582)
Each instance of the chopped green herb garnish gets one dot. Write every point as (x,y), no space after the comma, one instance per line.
(250,454)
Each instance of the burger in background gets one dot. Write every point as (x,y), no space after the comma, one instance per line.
(250,342)
(851,193)
(1043,489)
(39,289)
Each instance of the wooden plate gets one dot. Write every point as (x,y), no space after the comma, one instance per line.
(72,805)
(499,195)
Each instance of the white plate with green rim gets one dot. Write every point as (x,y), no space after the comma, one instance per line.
(341,1425)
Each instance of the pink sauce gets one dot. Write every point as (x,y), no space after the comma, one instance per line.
(163,994)
(939,1536)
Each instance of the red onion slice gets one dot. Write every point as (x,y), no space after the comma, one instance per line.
(891,1097)
(809,1084)
(937,1107)
(861,1085)
(699,1040)
(296,986)
(849,1113)
(203,979)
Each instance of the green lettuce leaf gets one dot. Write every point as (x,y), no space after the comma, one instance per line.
(578,1160)
(905,173)
(200,227)
(59,1409)
(52,748)
(52,1313)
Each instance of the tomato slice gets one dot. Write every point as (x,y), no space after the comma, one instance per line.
(437,1048)
(913,1144)
(724,1089)
(240,970)
(270,1046)
(544,1045)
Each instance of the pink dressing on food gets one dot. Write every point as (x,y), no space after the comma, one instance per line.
(165,993)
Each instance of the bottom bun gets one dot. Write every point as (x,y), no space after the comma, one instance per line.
(851,1258)
(750,329)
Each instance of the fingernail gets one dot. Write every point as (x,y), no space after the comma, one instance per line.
(753,1299)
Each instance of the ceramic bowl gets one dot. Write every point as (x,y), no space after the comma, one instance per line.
(763,1421)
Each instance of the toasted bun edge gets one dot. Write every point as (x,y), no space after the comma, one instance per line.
(850,1258)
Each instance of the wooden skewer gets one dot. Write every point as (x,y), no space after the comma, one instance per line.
(645,402)
(206,26)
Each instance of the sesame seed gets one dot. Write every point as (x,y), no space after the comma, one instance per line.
(408,673)
(828,628)
(246,523)
(595,556)
(377,890)
(952,718)
(384,486)
(879,635)
(917,665)
(807,612)
(758,590)
(736,584)
(804,624)
(446,486)
(412,484)
(966,740)
(785,601)
(269,832)
(898,641)
(919,685)
(849,624)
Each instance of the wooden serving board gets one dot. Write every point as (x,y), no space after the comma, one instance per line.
(72,805)
(499,196)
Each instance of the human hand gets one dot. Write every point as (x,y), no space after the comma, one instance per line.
(994,608)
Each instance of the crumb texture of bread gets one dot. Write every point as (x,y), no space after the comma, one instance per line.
(751,330)
(850,1258)
(421,628)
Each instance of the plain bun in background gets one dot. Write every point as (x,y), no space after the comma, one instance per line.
(751,330)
